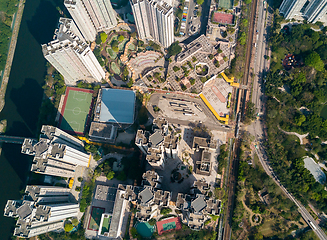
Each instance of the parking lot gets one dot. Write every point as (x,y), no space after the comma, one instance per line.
(191,21)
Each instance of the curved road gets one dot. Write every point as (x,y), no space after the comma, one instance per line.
(258,127)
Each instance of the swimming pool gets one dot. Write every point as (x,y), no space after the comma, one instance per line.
(145,229)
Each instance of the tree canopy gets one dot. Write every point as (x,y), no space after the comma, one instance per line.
(174,48)
(314,60)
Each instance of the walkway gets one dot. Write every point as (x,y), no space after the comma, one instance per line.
(296,134)
(11,52)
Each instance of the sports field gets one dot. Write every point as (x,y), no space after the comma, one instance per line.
(95,218)
(168,224)
(227,4)
(220,17)
(76,109)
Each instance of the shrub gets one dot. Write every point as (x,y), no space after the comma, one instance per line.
(75,221)
(77,188)
(211,56)
(121,38)
(156,109)
(80,179)
(110,175)
(175,68)
(103,37)
(203,79)
(194,59)
(183,87)
(68,227)
(192,81)
(165,211)
(121,176)
(152,221)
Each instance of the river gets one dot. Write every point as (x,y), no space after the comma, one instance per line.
(23,99)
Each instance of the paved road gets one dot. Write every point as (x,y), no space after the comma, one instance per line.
(257,128)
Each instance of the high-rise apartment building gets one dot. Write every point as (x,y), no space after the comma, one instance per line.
(314,11)
(92,16)
(154,20)
(43,209)
(291,8)
(56,153)
(72,57)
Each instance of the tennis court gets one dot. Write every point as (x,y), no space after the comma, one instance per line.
(95,218)
(76,110)
(172,223)
(227,4)
(225,18)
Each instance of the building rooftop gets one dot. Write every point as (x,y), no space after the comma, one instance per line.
(104,132)
(315,170)
(117,106)
(156,138)
(145,196)
(199,203)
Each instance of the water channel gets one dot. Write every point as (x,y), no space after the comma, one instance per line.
(23,99)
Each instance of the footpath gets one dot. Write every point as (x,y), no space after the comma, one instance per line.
(11,53)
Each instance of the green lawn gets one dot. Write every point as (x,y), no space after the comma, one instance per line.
(115,68)
(111,53)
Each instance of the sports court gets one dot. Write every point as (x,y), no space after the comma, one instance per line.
(227,4)
(168,225)
(224,18)
(95,218)
(76,110)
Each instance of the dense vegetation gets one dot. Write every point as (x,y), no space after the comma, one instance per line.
(295,102)
(277,217)
(7,9)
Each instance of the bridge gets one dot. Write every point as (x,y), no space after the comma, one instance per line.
(11,139)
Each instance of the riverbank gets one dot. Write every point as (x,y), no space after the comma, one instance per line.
(11,52)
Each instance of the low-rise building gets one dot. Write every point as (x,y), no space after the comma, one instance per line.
(43,209)
(158,145)
(112,220)
(57,153)
(114,109)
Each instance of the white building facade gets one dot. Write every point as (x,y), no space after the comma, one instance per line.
(154,20)
(43,209)
(314,11)
(92,16)
(72,57)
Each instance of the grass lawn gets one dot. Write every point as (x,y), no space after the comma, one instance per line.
(122,44)
(115,68)
(131,47)
(266,228)
(111,53)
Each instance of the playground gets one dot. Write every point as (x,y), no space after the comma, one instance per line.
(95,218)
(76,110)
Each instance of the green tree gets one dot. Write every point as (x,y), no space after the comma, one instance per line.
(103,37)
(247,1)
(242,38)
(314,60)
(200,2)
(299,119)
(68,227)
(125,71)
(75,221)
(110,175)
(121,38)
(174,48)
(165,211)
